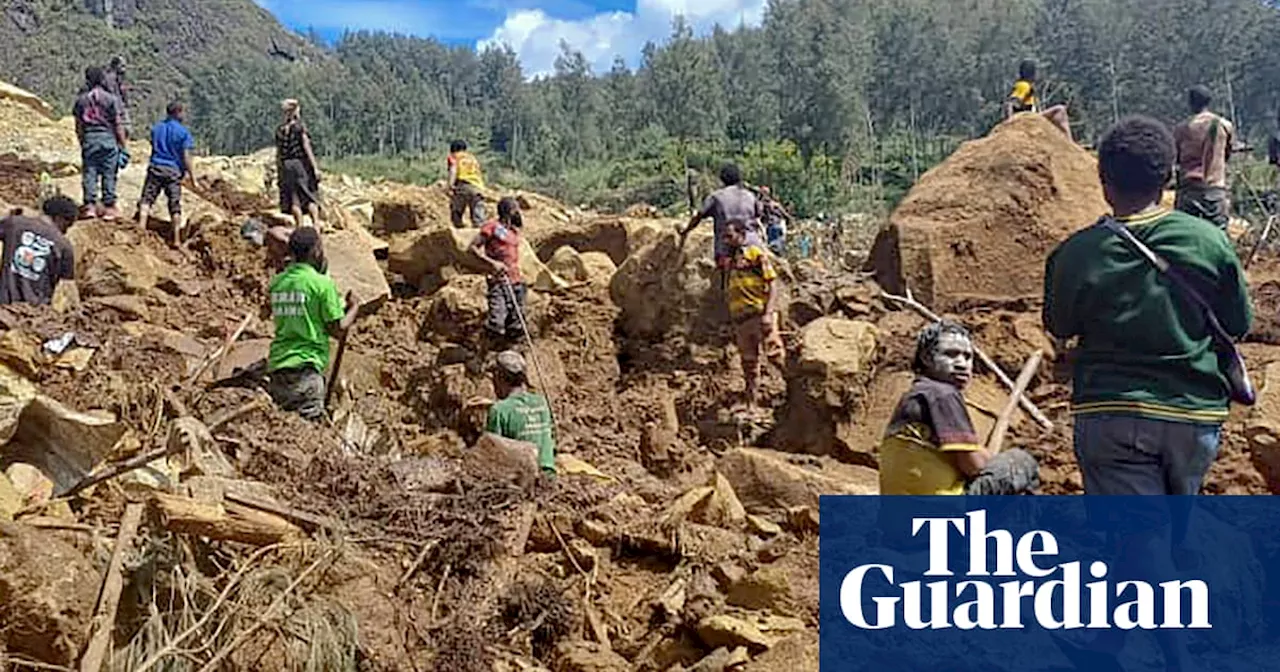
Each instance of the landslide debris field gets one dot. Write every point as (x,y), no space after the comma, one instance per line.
(678,536)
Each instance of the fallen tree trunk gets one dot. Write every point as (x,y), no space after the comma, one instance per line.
(225,523)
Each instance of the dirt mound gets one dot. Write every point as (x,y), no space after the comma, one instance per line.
(979,226)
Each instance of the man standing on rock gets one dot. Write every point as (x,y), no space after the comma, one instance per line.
(1203,145)
(37,254)
(520,414)
(171,145)
(498,244)
(930,446)
(307,312)
(100,128)
(1149,397)
(733,202)
(465,185)
(296,168)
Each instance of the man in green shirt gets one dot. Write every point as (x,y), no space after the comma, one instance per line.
(307,311)
(1149,398)
(521,415)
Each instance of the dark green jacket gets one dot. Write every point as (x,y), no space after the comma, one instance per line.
(1143,349)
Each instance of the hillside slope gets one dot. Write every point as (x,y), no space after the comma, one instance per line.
(164,41)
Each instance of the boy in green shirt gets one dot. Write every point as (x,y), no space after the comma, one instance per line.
(307,311)
(521,415)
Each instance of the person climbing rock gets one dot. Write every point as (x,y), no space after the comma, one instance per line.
(930,446)
(296,167)
(100,129)
(37,254)
(1024,98)
(1203,148)
(521,414)
(171,146)
(465,185)
(776,221)
(307,311)
(498,244)
(753,305)
(733,202)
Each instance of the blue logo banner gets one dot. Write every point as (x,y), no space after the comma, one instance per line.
(1053,584)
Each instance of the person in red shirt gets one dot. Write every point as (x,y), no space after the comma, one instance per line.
(498,245)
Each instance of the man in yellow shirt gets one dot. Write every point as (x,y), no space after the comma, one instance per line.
(930,446)
(1023,98)
(465,185)
(753,303)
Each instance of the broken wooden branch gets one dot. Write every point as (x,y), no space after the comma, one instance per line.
(225,523)
(996,443)
(921,310)
(417,562)
(218,355)
(306,520)
(125,467)
(104,618)
(262,401)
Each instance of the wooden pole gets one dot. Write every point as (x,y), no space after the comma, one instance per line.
(337,366)
(920,309)
(104,618)
(996,443)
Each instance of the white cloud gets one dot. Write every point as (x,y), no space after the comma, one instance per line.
(536,37)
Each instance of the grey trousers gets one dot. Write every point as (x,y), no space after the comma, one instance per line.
(299,390)
(100,157)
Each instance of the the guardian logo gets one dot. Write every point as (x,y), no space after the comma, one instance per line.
(1055,604)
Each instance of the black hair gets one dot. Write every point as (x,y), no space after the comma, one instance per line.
(1199,97)
(175,108)
(927,342)
(512,378)
(61,207)
(1027,70)
(458,146)
(730,174)
(117,62)
(95,76)
(303,243)
(509,212)
(1136,156)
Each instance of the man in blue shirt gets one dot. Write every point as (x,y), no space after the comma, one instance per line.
(171,145)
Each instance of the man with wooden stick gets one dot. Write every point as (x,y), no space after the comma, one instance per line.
(307,312)
(931,446)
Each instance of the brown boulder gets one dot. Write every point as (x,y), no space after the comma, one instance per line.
(766,481)
(582,656)
(48,590)
(429,257)
(979,225)
(406,208)
(354,268)
(575,266)
(457,312)
(122,269)
(665,288)
(495,458)
(824,385)
(797,653)
(1263,429)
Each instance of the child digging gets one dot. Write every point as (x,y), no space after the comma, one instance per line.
(930,446)
(753,301)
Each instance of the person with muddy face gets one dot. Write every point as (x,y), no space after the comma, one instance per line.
(521,414)
(930,446)
(307,312)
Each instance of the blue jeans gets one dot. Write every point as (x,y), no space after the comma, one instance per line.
(1124,455)
(101,158)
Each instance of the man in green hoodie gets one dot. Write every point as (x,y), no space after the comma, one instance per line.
(1149,398)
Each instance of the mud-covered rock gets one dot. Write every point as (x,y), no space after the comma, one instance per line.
(354,268)
(121,269)
(766,480)
(495,458)
(48,590)
(575,266)
(731,632)
(1263,429)
(823,385)
(797,653)
(581,656)
(429,257)
(457,312)
(665,288)
(405,208)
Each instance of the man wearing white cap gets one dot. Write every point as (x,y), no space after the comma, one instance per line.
(521,415)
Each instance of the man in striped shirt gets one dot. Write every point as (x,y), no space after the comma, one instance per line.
(753,303)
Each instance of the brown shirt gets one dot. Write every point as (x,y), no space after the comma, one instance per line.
(36,257)
(1204,142)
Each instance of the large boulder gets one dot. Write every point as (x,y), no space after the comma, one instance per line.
(1263,429)
(574,266)
(457,312)
(430,257)
(353,267)
(767,481)
(64,444)
(401,208)
(121,269)
(824,383)
(48,590)
(979,225)
(666,287)
(610,236)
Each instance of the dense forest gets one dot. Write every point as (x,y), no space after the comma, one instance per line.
(835,102)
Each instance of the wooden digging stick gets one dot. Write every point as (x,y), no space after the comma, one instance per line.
(109,601)
(337,366)
(1006,415)
(920,309)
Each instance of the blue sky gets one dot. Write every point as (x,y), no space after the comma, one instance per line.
(601,29)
